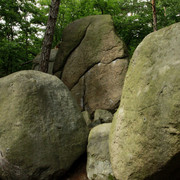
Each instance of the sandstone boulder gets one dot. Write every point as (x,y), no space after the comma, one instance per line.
(98,161)
(42,131)
(145,133)
(93,61)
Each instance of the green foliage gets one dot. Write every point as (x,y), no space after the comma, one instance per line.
(132,18)
(110,177)
(18,34)
(168,12)
(22,24)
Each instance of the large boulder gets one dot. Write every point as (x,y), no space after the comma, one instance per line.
(98,161)
(145,133)
(42,131)
(93,62)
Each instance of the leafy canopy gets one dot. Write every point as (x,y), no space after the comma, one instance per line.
(22,24)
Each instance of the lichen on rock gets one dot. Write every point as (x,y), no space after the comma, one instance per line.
(145,133)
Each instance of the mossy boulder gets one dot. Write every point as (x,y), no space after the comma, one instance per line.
(145,133)
(42,131)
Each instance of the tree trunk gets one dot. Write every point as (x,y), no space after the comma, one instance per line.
(154,15)
(26,33)
(48,37)
(164,11)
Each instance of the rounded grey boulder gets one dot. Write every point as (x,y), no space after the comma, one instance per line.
(42,131)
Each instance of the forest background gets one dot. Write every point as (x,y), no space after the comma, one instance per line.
(23,22)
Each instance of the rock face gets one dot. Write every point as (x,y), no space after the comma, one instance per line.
(93,62)
(145,133)
(98,161)
(52,58)
(42,132)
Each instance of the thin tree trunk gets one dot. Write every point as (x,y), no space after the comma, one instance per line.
(164,11)
(12,39)
(12,34)
(26,45)
(154,15)
(48,37)
(102,12)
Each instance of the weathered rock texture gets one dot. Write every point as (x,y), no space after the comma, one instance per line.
(42,132)
(98,161)
(93,62)
(145,133)
(52,58)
